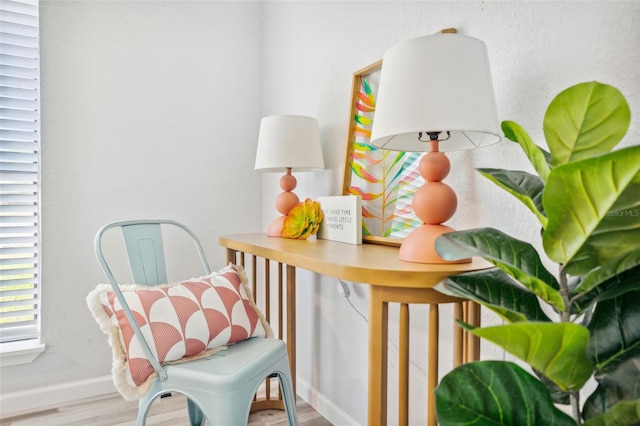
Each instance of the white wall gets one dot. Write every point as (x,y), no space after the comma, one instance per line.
(149,110)
(128,87)
(536,50)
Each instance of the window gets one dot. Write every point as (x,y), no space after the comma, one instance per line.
(19,171)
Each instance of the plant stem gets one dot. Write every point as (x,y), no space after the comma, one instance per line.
(575,406)
(565,316)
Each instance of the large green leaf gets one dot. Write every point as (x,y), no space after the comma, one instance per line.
(623,384)
(624,413)
(608,273)
(495,393)
(524,186)
(593,208)
(557,350)
(497,291)
(517,258)
(585,120)
(615,335)
(513,131)
(614,287)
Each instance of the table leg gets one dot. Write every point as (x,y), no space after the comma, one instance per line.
(432,379)
(231,256)
(474,341)
(378,340)
(291,321)
(403,366)
(267,310)
(458,335)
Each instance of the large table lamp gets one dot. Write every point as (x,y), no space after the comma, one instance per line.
(288,143)
(435,95)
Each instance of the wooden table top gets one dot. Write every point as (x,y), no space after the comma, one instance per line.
(373,264)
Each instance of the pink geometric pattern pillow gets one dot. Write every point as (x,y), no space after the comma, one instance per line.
(181,322)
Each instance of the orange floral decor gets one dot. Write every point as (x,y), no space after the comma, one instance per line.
(303,220)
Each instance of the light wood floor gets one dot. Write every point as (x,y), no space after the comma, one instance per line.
(113,410)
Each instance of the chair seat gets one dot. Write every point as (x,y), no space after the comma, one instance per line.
(233,367)
(221,386)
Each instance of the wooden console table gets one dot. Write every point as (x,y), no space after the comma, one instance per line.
(390,280)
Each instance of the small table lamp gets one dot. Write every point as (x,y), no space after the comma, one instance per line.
(288,143)
(435,94)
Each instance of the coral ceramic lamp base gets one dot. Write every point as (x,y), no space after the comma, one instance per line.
(419,246)
(284,202)
(275,229)
(434,203)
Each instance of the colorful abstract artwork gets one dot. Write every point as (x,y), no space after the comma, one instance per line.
(386,180)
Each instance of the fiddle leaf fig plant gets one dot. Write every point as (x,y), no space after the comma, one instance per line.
(580,321)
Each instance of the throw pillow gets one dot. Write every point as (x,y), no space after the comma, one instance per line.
(181,322)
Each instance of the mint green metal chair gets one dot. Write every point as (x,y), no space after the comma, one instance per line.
(219,388)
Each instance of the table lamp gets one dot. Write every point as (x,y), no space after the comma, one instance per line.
(288,143)
(435,94)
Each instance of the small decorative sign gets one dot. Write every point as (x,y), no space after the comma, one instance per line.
(342,218)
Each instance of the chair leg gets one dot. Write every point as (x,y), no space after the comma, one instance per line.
(288,396)
(140,420)
(226,409)
(143,410)
(196,416)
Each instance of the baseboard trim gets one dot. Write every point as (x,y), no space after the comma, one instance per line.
(29,401)
(323,405)
(16,403)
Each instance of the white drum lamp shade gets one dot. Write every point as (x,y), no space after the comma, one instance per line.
(436,83)
(289,141)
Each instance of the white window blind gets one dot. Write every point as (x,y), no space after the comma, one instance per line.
(19,170)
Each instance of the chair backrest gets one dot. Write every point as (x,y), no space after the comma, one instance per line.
(145,251)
